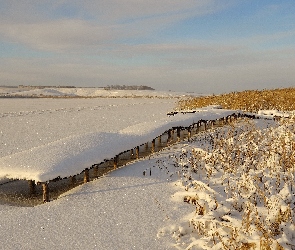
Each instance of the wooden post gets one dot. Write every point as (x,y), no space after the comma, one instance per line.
(217,122)
(192,129)
(169,136)
(45,192)
(137,152)
(160,139)
(189,133)
(86,175)
(178,133)
(116,159)
(32,186)
(73,180)
(95,172)
(146,146)
(205,125)
(131,153)
(153,145)
(197,127)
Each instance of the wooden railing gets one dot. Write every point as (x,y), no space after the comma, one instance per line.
(173,135)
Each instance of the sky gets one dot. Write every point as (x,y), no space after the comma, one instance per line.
(202,46)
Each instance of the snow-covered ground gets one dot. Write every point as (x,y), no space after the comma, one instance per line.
(123,210)
(27,125)
(43,141)
(89,92)
(237,182)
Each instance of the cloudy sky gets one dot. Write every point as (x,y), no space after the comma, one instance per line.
(204,46)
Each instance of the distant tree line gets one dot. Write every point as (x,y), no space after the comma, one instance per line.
(108,87)
(43,87)
(128,87)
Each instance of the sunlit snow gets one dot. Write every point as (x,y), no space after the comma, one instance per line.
(231,186)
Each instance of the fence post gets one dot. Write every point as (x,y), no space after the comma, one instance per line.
(178,133)
(131,153)
(137,152)
(189,133)
(32,186)
(116,159)
(169,136)
(192,129)
(160,139)
(86,175)
(73,180)
(45,192)
(198,127)
(153,145)
(95,171)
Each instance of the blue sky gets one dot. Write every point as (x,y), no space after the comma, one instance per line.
(204,46)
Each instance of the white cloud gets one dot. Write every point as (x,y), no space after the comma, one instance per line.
(88,38)
(118,10)
(57,35)
(108,21)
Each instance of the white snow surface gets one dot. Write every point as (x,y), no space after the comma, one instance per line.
(47,143)
(123,210)
(88,92)
(127,210)
(273,113)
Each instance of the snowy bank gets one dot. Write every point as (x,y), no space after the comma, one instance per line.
(71,155)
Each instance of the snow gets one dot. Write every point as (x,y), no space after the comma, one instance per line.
(44,149)
(236,181)
(127,210)
(89,92)
(118,211)
(272,113)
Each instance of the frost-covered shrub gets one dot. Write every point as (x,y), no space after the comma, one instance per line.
(241,184)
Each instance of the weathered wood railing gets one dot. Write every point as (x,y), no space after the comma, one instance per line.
(169,137)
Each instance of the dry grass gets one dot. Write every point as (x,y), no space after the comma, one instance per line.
(250,100)
(241,184)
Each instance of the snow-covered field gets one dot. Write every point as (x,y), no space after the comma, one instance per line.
(34,130)
(48,138)
(89,92)
(228,188)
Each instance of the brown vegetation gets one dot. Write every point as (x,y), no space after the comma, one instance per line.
(249,100)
